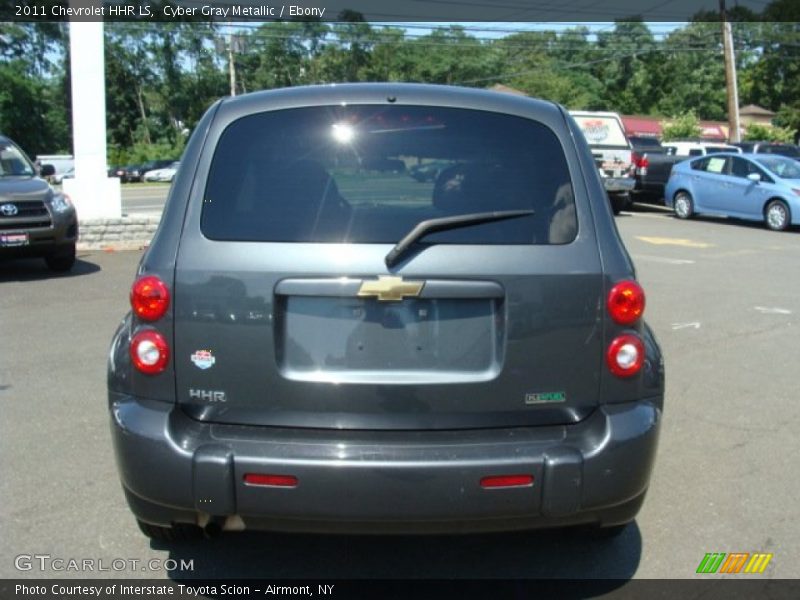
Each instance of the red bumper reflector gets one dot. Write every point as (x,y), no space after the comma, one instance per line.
(502,481)
(270,480)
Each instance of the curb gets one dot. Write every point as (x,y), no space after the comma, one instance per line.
(124,233)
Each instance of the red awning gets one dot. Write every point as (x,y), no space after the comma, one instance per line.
(712,131)
(642,126)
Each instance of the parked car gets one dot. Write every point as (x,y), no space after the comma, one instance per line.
(126,173)
(640,143)
(650,183)
(315,346)
(789,150)
(653,167)
(612,152)
(132,173)
(151,165)
(59,178)
(165,174)
(694,148)
(35,220)
(756,187)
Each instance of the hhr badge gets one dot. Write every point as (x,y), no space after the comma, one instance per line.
(203,359)
(390,289)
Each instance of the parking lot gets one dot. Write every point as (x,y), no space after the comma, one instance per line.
(723,299)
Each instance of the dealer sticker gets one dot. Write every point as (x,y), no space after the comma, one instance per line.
(203,359)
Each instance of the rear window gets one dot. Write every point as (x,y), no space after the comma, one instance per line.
(602,131)
(369,174)
(784,150)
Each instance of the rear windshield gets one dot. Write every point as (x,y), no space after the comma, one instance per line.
(784,150)
(602,131)
(369,174)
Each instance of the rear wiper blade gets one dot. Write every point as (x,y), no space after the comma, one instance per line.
(423,228)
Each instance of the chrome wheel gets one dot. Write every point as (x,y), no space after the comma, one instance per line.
(777,216)
(683,206)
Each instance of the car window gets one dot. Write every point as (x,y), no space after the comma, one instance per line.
(739,167)
(602,131)
(695,152)
(784,150)
(370,174)
(717,165)
(716,149)
(786,168)
(13,163)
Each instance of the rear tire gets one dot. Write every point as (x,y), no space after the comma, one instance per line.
(619,202)
(608,533)
(179,532)
(61,261)
(776,215)
(683,205)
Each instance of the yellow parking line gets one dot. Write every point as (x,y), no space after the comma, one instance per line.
(662,241)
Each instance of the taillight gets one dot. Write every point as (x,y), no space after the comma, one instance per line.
(625,355)
(626,302)
(149,298)
(149,352)
(640,160)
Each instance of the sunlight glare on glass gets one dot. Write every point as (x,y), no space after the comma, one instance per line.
(343,133)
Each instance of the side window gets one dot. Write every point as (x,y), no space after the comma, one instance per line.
(717,165)
(695,152)
(700,165)
(740,168)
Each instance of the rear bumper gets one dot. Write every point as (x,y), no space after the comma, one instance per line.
(619,185)
(175,469)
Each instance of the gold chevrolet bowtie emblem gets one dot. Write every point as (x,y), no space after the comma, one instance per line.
(390,289)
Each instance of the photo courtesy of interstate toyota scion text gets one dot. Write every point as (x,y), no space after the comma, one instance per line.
(385,308)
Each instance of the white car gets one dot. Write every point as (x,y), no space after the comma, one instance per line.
(165,174)
(698,148)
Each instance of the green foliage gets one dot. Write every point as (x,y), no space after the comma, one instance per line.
(756,132)
(160,78)
(684,126)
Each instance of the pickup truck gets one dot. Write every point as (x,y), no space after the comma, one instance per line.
(612,154)
(653,166)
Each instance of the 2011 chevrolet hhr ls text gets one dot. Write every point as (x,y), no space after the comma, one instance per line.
(385,308)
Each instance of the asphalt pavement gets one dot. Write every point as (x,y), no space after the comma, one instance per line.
(722,296)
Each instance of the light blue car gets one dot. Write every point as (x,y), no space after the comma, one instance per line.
(756,187)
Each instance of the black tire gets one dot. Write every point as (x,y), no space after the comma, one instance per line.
(179,532)
(777,216)
(683,205)
(596,532)
(619,202)
(61,261)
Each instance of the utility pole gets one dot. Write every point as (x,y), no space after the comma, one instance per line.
(730,75)
(231,65)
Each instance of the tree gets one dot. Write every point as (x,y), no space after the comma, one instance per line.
(680,127)
(626,65)
(756,132)
(691,75)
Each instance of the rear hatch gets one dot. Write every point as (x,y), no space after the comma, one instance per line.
(606,138)
(295,305)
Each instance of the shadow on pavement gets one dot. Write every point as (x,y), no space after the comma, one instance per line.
(527,555)
(34,269)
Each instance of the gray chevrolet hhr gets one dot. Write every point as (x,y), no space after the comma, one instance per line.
(385,308)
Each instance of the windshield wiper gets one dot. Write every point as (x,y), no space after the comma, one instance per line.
(423,228)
